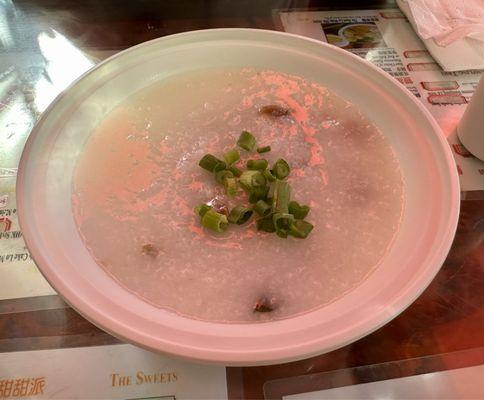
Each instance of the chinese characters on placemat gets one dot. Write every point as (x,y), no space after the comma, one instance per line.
(21,387)
(386,39)
(107,372)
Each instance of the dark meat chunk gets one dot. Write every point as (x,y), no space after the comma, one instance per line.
(264,305)
(273,110)
(150,250)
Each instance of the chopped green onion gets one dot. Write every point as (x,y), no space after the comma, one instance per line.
(266,224)
(281,169)
(282,223)
(231,156)
(246,141)
(262,208)
(258,193)
(201,209)
(257,164)
(209,162)
(299,212)
(300,229)
(237,172)
(252,179)
(281,197)
(220,176)
(239,215)
(264,149)
(270,194)
(268,175)
(220,166)
(230,185)
(280,206)
(215,221)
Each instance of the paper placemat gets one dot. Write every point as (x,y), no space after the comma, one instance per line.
(386,39)
(19,276)
(107,372)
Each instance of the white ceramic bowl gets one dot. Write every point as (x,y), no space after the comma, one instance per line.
(427,230)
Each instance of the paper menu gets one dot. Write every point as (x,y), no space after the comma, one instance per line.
(107,372)
(386,39)
(394,47)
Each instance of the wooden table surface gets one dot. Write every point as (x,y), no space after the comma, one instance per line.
(446,321)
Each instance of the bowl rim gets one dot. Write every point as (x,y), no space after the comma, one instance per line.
(244,357)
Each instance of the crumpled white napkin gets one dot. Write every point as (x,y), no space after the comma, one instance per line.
(447,21)
(452,30)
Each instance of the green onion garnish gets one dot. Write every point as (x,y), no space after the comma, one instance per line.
(239,215)
(262,208)
(264,149)
(220,176)
(280,206)
(215,221)
(246,141)
(268,175)
(219,166)
(281,197)
(209,162)
(252,179)
(266,224)
(201,209)
(299,212)
(230,185)
(269,194)
(300,229)
(282,223)
(281,169)
(237,172)
(257,164)
(258,193)
(231,156)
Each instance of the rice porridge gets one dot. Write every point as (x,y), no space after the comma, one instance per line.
(138,180)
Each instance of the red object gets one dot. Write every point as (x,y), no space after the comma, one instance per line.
(440,85)
(6,223)
(446,99)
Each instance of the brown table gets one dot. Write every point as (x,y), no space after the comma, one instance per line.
(443,329)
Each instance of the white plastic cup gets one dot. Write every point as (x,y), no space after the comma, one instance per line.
(471,127)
